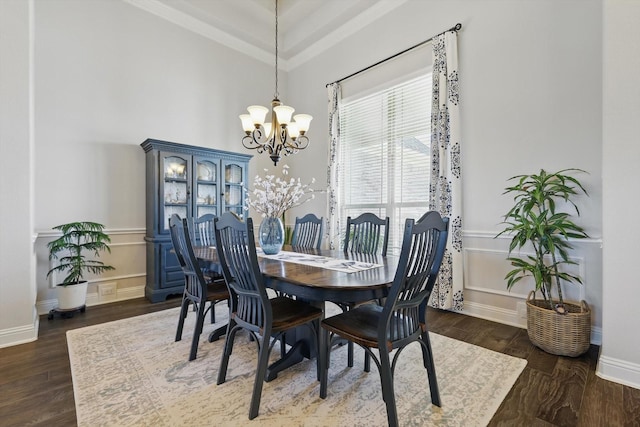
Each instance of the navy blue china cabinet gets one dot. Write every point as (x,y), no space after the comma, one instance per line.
(189,181)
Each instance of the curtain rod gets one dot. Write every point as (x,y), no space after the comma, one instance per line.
(457,27)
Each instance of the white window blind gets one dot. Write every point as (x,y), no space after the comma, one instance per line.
(385,154)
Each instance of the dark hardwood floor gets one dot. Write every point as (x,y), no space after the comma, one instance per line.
(36,387)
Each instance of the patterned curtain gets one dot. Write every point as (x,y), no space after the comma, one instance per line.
(333,171)
(445,193)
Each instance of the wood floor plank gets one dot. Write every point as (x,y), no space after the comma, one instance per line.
(520,346)
(631,405)
(561,404)
(520,407)
(602,403)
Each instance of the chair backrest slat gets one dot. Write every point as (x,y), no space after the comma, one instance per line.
(201,230)
(195,283)
(423,249)
(307,232)
(364,233)
(237,254)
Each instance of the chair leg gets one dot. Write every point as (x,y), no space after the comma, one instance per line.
(228,348)
(212,308)
(283,347)
(197,331)
(350,354)
(386,378)
(183,314)
(367,362)
(323,353)
(427,359)
(261,372)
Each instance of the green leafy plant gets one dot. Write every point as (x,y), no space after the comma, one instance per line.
(77,238)
(534,220)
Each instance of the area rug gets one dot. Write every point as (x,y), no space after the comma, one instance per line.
(131,373)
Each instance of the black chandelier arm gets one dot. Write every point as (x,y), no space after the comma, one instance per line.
(301,142)
(255,141)
(292,147)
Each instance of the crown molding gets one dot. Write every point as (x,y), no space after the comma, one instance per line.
(209,31)
(351,27)
(197,26)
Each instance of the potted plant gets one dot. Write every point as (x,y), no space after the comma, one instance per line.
(535,221)
(69,249)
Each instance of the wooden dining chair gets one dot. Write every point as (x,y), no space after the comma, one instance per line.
(402,319)
(197,290)
(307,232)
(202,233)
(367,234)
(251,308)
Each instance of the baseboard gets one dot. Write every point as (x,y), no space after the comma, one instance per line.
(94,298)
(513,318)
(619,371)
(20,335)
(495,314)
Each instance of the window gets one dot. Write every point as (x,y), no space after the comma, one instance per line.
(385,154)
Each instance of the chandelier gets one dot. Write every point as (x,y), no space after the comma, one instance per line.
(282,135)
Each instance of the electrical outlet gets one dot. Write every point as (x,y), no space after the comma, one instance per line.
(107,290)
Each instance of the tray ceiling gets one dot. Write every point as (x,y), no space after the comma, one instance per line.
(305,27)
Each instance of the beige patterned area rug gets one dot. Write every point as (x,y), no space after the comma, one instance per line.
(131,373)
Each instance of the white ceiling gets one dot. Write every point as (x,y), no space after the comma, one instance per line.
(305,27)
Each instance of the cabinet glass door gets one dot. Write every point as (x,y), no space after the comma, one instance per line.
(233,188)
(206,179)
(174,188)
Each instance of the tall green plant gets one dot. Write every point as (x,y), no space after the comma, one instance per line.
(78,237)
(534,220)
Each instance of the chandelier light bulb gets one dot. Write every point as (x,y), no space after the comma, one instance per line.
(284,113)
(247,123)
(258,113)
(293,130)
(267,130)
(303,121)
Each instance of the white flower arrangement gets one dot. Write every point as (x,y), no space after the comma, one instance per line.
(272,196)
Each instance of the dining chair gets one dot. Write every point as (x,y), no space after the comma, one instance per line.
(251,308)
(364,232)
(202,233)
(197,290)
(307,232)
(402,320)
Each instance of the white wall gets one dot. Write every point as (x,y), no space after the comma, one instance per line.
(530,85)
(108,75)
(620,353)
(18,319)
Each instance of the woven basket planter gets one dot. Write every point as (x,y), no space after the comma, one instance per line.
(560,334)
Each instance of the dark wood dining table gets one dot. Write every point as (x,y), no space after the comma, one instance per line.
(317,285)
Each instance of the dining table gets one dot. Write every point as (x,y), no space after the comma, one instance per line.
(335,276)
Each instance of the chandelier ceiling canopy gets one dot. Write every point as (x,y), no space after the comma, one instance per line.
(283,134)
